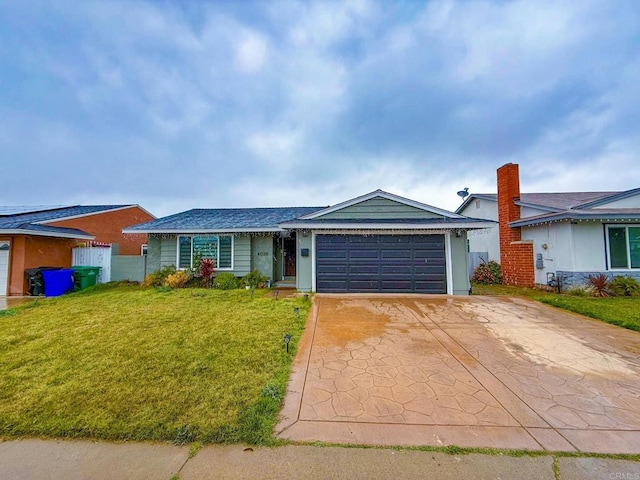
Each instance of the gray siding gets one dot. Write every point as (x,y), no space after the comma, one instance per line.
(163,252)
(169,254)
(303,264)
(379,208)
(241,255)
(154,251)
(459,264)
(262,255)
(128,267)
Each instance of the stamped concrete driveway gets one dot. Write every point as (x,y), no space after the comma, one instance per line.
(467,371)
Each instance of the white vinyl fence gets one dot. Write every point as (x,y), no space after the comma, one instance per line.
(94,257)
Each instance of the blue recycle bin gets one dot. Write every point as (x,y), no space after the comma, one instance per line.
(57,282)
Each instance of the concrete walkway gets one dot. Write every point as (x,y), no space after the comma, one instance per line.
(466,371)
(81,460)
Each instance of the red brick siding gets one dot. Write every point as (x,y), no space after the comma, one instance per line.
(107,227)
(516,258)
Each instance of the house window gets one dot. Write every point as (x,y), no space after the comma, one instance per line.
(217,247)
(624,247)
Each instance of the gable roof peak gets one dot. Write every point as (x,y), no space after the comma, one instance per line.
(383,194)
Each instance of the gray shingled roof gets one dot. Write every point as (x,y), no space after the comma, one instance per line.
(51,215)
(31,219)
(613,214)
(219,219)
(555,201)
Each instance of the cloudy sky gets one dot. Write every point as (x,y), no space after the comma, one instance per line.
(183,104)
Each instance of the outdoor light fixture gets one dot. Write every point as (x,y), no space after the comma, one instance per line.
(296,310)
(287,339)
(251,292)
(305,232)
(276,293)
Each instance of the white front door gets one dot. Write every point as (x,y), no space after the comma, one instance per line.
(4,266)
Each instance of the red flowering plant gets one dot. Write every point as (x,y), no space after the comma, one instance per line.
(489,273)
(204,270)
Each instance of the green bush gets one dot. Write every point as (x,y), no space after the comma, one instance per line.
(489,273)
(226,281)
(158,278)
(625,286)
(578,292)
(254,279)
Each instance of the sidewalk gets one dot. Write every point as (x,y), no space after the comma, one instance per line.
(33,459)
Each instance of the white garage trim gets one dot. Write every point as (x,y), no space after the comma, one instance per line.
(449,263)
(5,246)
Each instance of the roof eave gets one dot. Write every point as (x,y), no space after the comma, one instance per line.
(570,217)
(388,226)
(44,233)
(186,231)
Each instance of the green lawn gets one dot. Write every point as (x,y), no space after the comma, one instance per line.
(125,362)
(622,311)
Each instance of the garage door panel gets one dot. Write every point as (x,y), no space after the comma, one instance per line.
(333,269)
(399,254)
(364,269)
(406,270)
(380,263)
(368,254)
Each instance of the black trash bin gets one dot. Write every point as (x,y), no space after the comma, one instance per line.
(35,282)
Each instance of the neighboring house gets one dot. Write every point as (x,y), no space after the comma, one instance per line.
(544,236)
(44,236)
(377,242)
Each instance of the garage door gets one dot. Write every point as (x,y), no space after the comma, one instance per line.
(4,266)
(380,263)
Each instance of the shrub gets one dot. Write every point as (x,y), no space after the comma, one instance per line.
(578,292)
(177,280)
(488,273)
(599,285)
(158,278)
(226,281)
(204,270)
(625,286)
(254,279)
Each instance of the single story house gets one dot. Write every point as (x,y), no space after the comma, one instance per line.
(541,237)
(37,236)
(378,242)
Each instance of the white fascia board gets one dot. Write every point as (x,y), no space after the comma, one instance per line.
(33,233)
(537,206)
(383,194)
(73,217)
(183,231)
(387,226)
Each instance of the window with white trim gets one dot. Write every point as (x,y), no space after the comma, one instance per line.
(623,246)
(217,247)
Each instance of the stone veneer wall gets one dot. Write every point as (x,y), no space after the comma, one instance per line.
(577,279)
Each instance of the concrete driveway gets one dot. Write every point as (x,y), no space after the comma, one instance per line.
(467,371)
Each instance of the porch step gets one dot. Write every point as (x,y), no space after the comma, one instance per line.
(285,284)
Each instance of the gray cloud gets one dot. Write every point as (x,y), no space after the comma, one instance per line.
(202,104)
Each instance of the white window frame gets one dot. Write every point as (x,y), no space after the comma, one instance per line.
(629,268)
(227,269)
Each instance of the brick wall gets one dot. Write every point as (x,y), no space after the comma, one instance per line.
(107,227)
(516,256)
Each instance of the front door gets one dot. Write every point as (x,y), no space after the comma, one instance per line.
(289,254)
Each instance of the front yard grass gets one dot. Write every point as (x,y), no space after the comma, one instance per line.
(125,362)
(621,311)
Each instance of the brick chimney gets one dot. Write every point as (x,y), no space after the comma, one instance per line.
(516,256)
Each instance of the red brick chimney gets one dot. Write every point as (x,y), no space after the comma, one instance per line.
(516,256)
